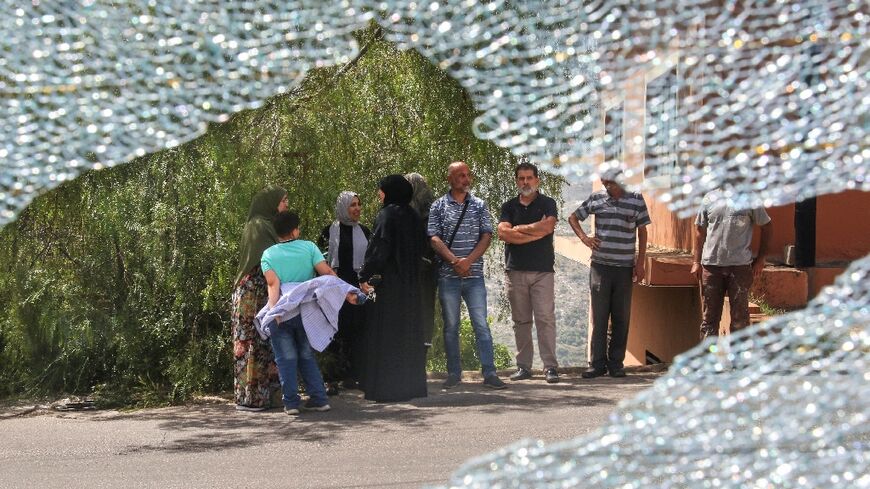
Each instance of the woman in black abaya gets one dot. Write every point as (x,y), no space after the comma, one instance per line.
(395,355)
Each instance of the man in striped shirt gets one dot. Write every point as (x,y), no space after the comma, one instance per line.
(621,218)
(460,230)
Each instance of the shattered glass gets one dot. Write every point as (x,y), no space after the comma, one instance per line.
(773,96)
(780,404)
(766,100)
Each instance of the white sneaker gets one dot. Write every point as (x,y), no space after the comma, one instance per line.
(291,411)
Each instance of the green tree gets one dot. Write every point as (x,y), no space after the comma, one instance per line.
(120,280)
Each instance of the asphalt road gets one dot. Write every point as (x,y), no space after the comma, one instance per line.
(357,444)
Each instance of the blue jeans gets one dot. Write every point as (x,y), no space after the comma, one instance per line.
(292,352)
(451,291)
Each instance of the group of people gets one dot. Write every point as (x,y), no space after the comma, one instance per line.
(420,244)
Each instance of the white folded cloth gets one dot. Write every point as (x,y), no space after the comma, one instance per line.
(317,300)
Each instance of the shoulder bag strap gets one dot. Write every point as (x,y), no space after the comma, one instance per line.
(455,229)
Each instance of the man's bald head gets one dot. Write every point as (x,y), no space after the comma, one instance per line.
(453,167)
(459,176)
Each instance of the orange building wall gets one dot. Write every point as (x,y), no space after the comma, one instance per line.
(782,220)
(664,321)
(667,230)
(836,241)
(842,227)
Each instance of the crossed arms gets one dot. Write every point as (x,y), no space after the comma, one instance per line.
(526,233)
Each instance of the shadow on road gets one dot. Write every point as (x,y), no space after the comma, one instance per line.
(218,426)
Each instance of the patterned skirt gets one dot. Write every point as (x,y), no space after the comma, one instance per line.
(256,376)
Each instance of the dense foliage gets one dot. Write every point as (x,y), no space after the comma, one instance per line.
(119,282)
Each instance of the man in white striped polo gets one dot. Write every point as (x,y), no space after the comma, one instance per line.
(621,218)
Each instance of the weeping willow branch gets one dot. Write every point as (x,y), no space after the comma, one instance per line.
(299,97)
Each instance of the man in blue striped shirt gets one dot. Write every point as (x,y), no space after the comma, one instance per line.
(621,218)
(460,230)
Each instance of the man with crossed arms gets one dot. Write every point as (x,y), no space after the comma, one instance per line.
(526,226)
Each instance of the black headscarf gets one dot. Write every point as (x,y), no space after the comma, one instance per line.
(396,190)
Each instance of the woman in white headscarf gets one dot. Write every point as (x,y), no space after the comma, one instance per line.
(345,241)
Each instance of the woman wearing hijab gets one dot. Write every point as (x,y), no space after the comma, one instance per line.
(345,241)
(256,376)
(395,356)
(421,201)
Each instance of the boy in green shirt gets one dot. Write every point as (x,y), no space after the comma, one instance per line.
(295,260)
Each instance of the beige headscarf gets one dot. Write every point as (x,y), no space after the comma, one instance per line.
(423,197)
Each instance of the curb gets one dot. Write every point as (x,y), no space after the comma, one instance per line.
(476,375)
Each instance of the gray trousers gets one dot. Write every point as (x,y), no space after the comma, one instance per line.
(532,299)
(610,289)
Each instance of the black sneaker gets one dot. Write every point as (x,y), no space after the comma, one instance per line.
(617,373)
(593,372)
(551,375)
(310,405)
(521,374)
(493,382)
(250,409)
(451,382)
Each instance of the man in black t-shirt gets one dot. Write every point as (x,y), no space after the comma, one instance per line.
(526,226)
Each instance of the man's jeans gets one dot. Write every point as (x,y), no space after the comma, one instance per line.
(473,290)
(736,281)
(292,352)
(611,302)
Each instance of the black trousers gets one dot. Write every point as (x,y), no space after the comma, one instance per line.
(610,289)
